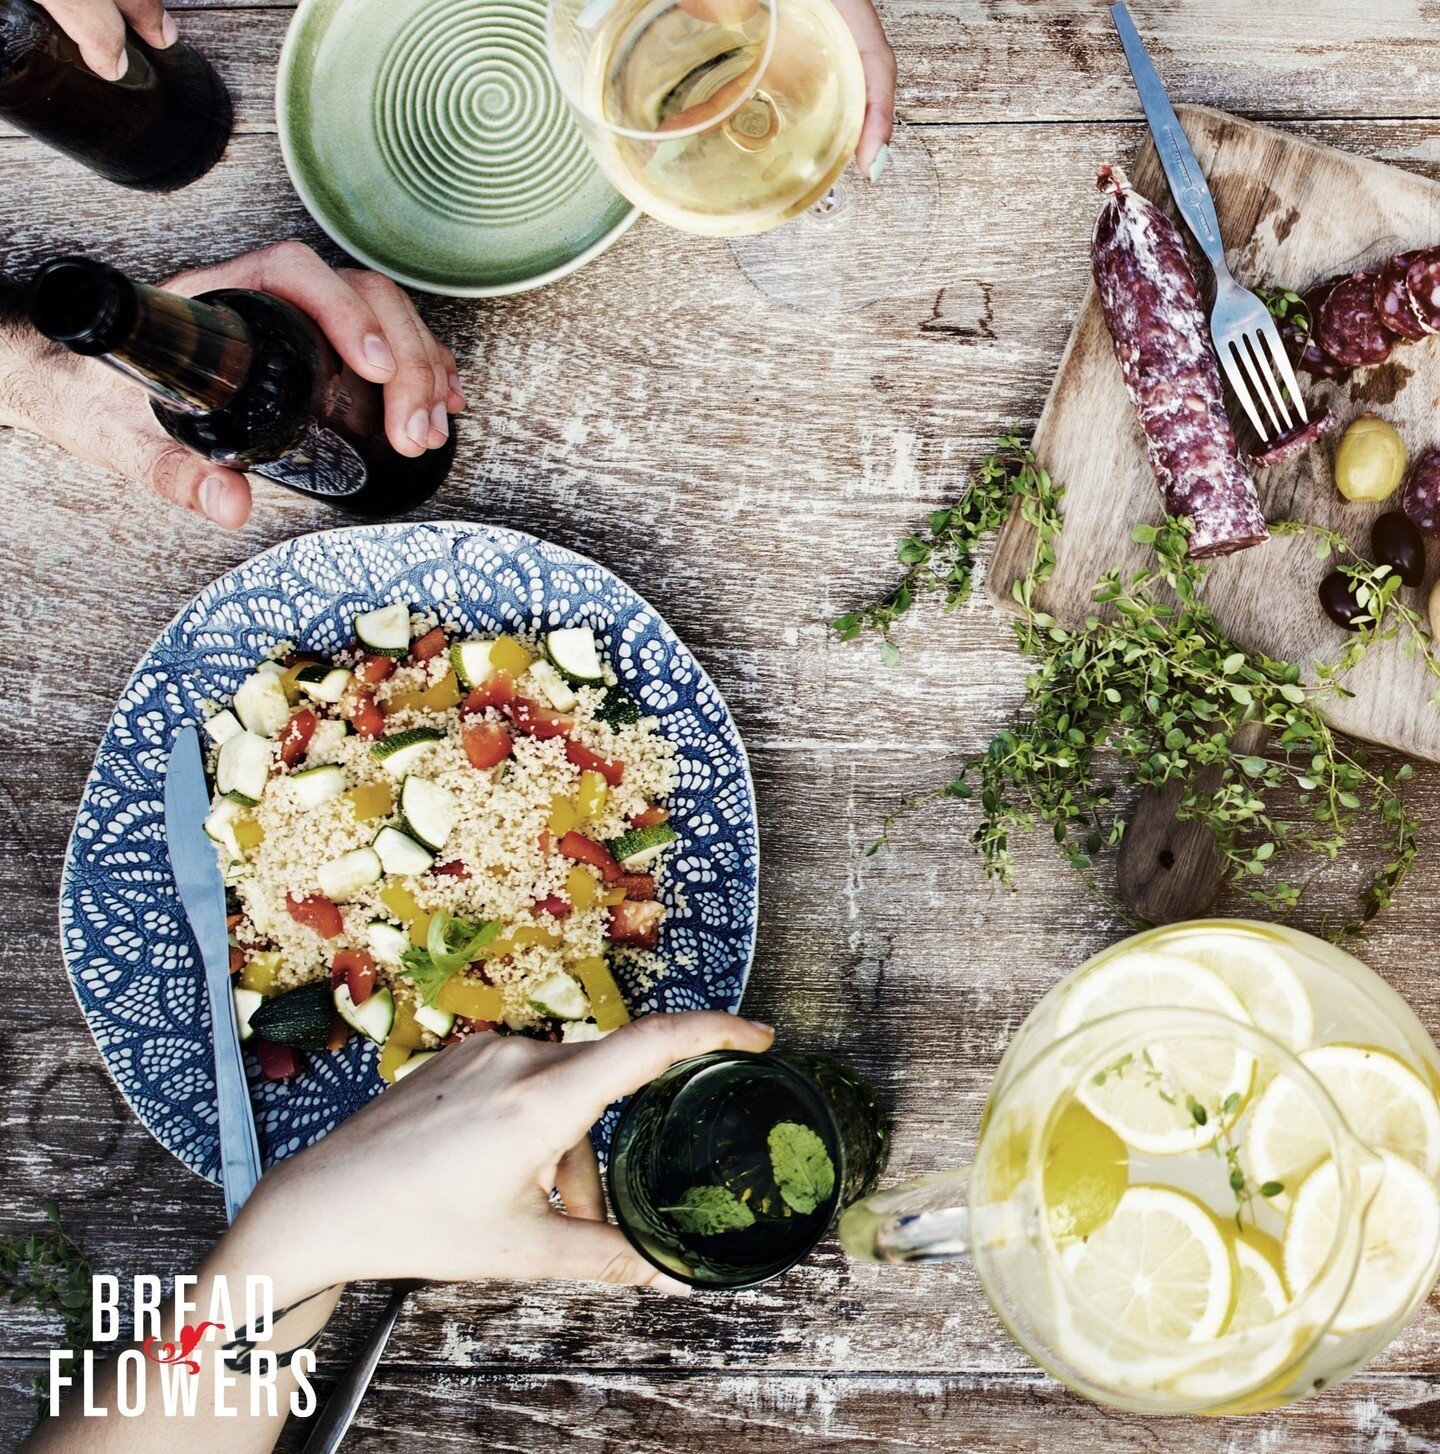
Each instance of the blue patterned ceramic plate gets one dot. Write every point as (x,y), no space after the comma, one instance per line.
(128,947)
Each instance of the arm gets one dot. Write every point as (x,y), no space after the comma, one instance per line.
(447,1177)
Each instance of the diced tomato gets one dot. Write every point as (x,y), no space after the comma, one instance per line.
(358,968)
(537,721)
(453,869)
(636,923)
(432,643)
(499,691)
(316,912)
(638,885)
(339,1032)
(553,905)
(295,736)
(278,1062)
(586,850)
(237,959)
(371,670)
(611,769)
(650,817)
(464,1027)
(360,709)
(486,744)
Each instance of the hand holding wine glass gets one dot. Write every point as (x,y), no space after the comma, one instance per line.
(99,416)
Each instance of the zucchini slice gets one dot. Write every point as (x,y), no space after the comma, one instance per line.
(574,652)
(373,1018)
(261,704)
(618,708)
(223,726)
(342,878)
(472,664)
(300,1018)
(399,853)
(323,683)
(246,1003)
(435,1020)
(402,752)
(419,1058)
(243,769)
(560,995)
(387,941)
(581,1030)
(429,811)
(315,785)
(639,846)
(554,686)
(385,630)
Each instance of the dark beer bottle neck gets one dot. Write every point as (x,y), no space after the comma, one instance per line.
(192,357)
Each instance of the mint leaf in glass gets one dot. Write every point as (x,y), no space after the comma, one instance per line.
(801,1164)
(706,1211)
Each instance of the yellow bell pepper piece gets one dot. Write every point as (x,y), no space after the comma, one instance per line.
(564,816)
(392,1056)
(611,897)
(260,972)
(439,697)
(607,1004)
(590,796)
(468,997)
(401,902)
(290,681)
(371,801)
(581,887)
(511,656)
(406,1030)
(248,833)
(522,936)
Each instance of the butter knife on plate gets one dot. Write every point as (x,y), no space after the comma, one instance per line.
(202,892)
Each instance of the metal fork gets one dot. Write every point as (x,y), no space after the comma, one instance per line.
(1245,336)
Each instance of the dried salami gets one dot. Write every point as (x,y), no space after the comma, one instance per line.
(1422,279)
(1393,300)
(1313,358)
(1349,328)
(1421,500)
(1294,441)
(1152,307)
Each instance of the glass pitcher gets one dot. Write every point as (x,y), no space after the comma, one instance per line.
(1208,1173)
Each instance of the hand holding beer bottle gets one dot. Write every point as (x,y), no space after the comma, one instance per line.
(97,415)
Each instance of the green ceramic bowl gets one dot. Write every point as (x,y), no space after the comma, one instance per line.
(430,140)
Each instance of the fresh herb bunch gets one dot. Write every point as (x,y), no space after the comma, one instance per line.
(50,1272)
(1155,687)
(1288,308)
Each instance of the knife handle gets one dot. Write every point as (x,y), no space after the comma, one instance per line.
(1187,182)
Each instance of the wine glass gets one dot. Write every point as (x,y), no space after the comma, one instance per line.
(739,119)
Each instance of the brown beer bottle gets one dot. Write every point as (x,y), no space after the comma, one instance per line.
(241,378)
(159,127)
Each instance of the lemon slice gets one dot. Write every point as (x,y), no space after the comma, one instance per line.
(1160,1267)
(1260,1294)
(1262,977)
(1147,1094)
(1402,1232)
(1086,1172)
(1385,1103)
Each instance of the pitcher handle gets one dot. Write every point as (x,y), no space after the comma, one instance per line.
(923,1221)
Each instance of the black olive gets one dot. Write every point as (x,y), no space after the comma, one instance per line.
(1396,541)
(1337,598)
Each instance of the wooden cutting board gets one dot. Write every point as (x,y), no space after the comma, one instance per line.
(1291,213)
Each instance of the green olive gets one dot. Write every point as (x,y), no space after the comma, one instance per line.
(1369,460)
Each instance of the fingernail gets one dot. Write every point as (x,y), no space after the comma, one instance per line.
(440,421)
(377,352)
(122,64)
(455,388)
(762,1026)
(419,427)
(169,31)
(882,160)
(222,502)
(670,1286)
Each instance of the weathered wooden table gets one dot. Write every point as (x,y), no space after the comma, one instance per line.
(748,468)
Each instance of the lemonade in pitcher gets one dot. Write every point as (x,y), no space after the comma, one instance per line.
(1207,1173)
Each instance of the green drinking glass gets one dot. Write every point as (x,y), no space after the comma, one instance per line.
(728,1169)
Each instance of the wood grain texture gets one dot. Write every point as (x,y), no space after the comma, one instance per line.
(748,469)
(1293,213)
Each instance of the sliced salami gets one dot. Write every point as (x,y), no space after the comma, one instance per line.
(1393,301)
(1313,358)
(1152,307)
(1349,328)
(1294,441)
(1422,279)
(1421,500)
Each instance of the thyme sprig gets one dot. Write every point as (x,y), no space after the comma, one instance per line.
(49,1271)
(1151,685)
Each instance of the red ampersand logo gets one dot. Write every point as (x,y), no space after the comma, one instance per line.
(190,1336)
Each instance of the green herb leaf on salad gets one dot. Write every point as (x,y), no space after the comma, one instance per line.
(706,1211)
(451,944)
(802,1166)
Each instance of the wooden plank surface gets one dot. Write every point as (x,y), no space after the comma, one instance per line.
(1291,213)
(655,413)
